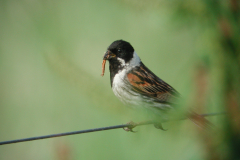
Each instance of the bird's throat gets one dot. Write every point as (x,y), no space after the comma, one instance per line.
(115,67)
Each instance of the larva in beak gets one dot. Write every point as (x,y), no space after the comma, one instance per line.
(103,67)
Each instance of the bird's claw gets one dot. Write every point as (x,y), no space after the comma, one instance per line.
(159,126)
(130,127)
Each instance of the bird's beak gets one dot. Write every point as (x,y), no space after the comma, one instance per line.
(108,55)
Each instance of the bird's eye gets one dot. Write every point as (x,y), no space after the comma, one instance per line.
(119,50)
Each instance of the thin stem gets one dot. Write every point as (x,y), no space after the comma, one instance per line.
(90,130)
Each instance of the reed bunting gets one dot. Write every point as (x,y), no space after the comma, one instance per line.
(136,86)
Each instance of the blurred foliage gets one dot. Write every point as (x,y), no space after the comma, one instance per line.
(50,65)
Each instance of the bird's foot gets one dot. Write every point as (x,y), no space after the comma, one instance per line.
(130,127)
(159,126)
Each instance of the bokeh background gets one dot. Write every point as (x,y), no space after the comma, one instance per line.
(50,64)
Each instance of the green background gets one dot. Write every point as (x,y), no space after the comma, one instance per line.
(50,65)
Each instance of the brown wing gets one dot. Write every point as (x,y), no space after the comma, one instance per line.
(148,84)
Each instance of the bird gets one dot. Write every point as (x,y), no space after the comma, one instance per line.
(137,86)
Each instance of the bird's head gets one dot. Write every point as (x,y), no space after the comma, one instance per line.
(119,52)
(120,55)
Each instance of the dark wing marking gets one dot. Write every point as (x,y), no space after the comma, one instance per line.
(148,84)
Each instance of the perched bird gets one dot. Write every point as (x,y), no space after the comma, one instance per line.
(135,85)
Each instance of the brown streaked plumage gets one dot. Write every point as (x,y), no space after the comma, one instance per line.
(138,87)
(145,82)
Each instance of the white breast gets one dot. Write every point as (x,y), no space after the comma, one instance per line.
(119,86)
(123,91)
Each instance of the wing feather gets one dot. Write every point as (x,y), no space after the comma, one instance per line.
(148,84)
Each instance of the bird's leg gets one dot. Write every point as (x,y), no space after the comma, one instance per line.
(133,125)
(158,125)
(130,127)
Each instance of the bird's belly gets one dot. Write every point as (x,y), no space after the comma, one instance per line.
(135,100)
(127,96)
(124,93)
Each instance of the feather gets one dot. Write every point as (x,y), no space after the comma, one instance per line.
(145,82)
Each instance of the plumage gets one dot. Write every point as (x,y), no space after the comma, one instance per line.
(144,81)
(137,86)
(134,84)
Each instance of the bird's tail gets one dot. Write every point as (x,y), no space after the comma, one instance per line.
(200,121)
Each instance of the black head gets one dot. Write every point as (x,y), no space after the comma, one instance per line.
(119,49)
